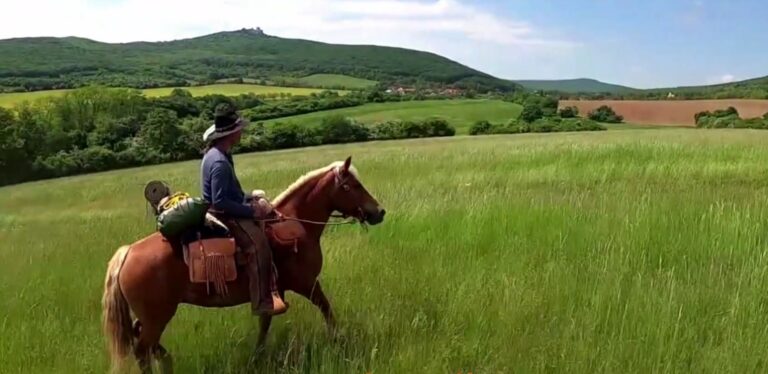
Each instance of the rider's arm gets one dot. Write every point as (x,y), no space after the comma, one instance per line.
(221,176)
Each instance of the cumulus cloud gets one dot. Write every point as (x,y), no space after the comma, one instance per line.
(341,21)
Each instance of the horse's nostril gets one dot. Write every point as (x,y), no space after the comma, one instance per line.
(383,212)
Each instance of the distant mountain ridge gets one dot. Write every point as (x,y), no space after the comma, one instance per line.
(754,88)
(47,62)
(574,85)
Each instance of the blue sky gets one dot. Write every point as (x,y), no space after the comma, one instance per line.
(649,43)
(637,43)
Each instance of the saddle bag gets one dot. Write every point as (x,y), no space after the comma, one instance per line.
(212,261)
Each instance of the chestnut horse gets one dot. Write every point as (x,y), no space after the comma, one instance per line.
(148,279)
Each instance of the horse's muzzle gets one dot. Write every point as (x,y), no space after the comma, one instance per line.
(375,218)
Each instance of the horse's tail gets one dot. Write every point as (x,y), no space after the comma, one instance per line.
(116,317)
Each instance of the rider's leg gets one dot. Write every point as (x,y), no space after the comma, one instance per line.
(264,295)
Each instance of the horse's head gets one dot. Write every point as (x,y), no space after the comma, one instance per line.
(350,198)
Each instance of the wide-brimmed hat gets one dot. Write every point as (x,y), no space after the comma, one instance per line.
(224,123)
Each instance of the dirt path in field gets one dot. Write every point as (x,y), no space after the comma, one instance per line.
(671,112)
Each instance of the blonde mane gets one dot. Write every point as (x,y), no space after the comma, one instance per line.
(308,177)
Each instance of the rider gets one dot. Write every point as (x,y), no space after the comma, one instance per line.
(222,190)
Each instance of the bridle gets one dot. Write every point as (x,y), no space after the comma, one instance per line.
(340,182)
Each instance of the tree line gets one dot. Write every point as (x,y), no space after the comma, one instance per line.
(729,118)
(540,114)
(96,129)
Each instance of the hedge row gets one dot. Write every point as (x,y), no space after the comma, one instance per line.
(337,130)
(332,130)
(547,124)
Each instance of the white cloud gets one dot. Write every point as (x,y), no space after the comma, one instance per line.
(725,78)
(398,22)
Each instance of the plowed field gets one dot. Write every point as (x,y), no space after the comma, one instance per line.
(672,112)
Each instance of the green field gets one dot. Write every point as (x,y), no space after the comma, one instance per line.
(460,113)
(330,80)
(610,252)
(10,99)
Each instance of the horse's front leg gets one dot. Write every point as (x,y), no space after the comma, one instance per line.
(316,295)
(266,321)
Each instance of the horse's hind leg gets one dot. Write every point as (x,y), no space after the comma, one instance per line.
(148,344)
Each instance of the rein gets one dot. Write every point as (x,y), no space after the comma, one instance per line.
(339,181)
(347,222)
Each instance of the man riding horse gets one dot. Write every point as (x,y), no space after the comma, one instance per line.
(222,190)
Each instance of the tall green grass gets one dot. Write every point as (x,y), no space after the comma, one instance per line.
(622,251)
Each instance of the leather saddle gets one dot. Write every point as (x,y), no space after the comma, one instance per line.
(213,257)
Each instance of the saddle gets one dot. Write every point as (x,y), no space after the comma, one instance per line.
(214,258)
(209,250)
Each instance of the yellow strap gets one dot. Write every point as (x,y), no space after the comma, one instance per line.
(175,199)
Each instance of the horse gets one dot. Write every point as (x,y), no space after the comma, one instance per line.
(147,279)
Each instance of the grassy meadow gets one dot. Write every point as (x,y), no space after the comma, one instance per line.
(10,99)
(460,113)
(609,252)
(330,80)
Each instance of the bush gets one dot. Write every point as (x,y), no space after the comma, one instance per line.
(542,125)
(292,135)
(569,112)
(531,113)
(480,128)
(338,129)
(433,127)
(437,127)
(729,118)
(605,114)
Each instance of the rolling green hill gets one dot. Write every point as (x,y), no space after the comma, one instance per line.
(49,63)
(574,85)
(756,88)
(460,113)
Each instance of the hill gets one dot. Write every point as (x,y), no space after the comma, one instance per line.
(50,63)
(586,85)
(755,88)
(459,113)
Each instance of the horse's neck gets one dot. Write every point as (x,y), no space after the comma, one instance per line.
(310,204)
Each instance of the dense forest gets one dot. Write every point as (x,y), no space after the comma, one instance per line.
(29,64)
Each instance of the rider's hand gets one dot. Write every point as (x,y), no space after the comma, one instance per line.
(261,207)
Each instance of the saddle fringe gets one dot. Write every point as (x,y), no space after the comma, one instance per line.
(215,270)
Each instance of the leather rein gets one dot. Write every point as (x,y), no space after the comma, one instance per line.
(339,182)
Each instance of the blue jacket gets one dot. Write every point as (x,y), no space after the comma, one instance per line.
(220,186)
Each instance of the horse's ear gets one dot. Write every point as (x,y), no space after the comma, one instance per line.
(347,164)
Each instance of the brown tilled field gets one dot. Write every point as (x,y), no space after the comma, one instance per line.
(671,112)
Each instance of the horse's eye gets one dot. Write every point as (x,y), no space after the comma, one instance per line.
(346,187)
